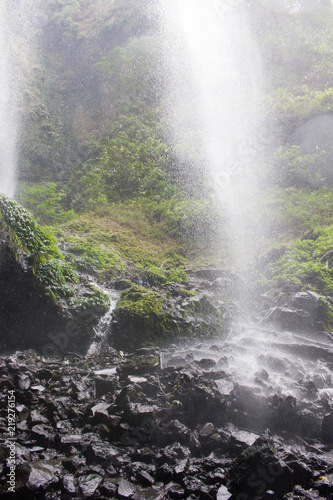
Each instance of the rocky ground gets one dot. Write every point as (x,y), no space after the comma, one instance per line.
(134,426)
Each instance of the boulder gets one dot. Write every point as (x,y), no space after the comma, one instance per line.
(303,311)
(147,315)
(44,304)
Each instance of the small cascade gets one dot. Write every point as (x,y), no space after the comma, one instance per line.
(103,327)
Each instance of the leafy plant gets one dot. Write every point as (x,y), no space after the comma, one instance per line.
(45,201)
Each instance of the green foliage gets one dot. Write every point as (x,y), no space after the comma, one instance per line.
(289,105)
(23,229)
(133,161)
(90,258)
(136,72)
(29,239)
(54,276)
(151,310)
(305,265)
(45,201)
(97,300)
(294,168)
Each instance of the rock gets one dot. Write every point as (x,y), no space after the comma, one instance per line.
(207,430)
(304,311)
(43,474)
(142,315)
(257,470)
(327,429)
(310,424)
(223,493)
(303,475)
(89,484)
(104,384)
(126,489)
(69,483)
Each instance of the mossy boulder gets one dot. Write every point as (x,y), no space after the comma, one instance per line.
(153,316)
(42,298)
(203,317)
(143,316)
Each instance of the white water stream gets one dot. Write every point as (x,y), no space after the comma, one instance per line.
(8,112)
(217,78)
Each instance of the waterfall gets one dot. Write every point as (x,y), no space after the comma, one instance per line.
(20,22)
(217,69)
(8,112)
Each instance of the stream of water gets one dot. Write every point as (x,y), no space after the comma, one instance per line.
(8,114)
(218,75)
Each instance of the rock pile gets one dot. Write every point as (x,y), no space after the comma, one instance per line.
(118,426)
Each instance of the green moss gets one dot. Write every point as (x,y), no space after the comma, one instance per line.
(327,314)
(97,301)
(305,265)
(30,242)
(91,258)
(23,231)
(146,316)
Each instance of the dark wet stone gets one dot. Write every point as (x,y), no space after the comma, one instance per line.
(310,424)
(24,382)
(108,489)
(327,429)
(102,451)
(303,475)
(145,478)
(206,364)
(43,474)
(175,491)
(207,430)
(104,385)
(223,493)
(126,489)
(69,483)
(89,484)
(43,434)
(257,470)
(36,418)
(176,451)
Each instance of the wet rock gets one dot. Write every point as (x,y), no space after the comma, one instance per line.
(89,484)
(145,478)
(101,452)
(303,475)
(175,491)
(304,311)
(257,470)
(126,489)
(43,434)
(327,429)
(310,424)
(207,430)
(43,474)
(69,483)
(223,493)
(104,384)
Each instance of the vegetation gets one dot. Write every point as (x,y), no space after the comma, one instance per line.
(36,248)
(123,200)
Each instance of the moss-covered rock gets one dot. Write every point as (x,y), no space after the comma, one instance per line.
(146,315)
(203,317)
(41,295)
(142,316)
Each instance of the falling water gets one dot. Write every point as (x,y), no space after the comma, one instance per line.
(20,22)
(8,114)
(211,40)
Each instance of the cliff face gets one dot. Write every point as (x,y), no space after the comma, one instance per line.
(67,100)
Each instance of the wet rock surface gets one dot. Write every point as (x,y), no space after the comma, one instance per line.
(133,426)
